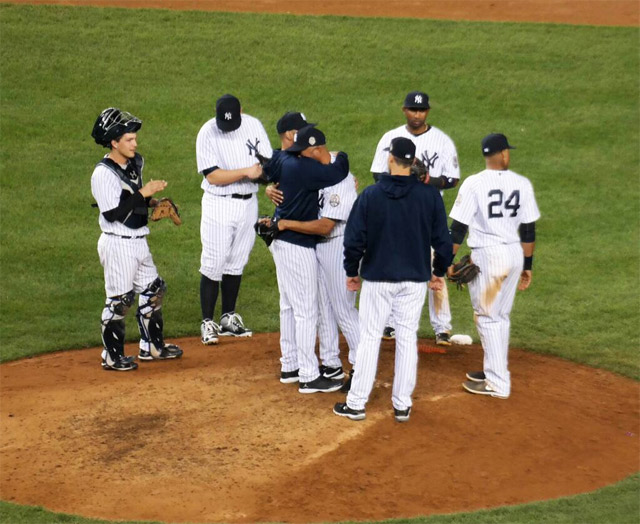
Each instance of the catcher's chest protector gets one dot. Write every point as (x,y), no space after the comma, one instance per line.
(130,181)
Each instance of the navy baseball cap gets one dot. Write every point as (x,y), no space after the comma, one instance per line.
(494,143)
(403,148)
(308,136)
(417,100)
(291,121)
(228,113)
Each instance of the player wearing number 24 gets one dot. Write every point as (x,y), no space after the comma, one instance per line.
(499,210)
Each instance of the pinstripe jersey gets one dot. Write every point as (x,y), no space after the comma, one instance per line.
(494,204)
(433,146)
(232,150)
(107,188)
(336,203)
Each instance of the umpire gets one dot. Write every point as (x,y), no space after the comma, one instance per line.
(391,228)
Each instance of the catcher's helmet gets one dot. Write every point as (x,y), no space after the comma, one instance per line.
(113,123)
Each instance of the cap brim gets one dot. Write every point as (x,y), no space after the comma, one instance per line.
(228,125)
(417,107)
(295,148)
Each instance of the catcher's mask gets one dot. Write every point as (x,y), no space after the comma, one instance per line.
(113,123)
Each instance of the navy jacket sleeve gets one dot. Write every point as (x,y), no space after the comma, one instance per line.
(319,175)
(355,236)
(440,239)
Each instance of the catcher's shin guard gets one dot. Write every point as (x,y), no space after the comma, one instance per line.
(149,316)
(113,326)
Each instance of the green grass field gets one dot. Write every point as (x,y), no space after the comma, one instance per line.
(566,96)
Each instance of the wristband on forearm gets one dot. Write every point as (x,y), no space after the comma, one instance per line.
(528,263)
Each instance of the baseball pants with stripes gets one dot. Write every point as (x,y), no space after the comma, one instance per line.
(337,304)
(297,273)
(492,294)
(377,300)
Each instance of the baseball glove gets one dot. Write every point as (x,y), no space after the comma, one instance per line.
(165,208)
(266,228)
(419,169)
(463,272)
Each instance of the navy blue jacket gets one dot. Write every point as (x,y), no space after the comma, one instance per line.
(392,226)
(300,178)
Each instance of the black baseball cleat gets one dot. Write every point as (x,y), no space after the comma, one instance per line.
(122,364)
(443,339)
(341,409)
(482,388)
(389,333)
(320,385)
(402,415)
(476,376)
(169,351)
(346,387)
(332,373)
(231,325)
(289,377)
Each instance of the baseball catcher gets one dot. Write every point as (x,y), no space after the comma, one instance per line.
(267,228)
(165,208)
(463,272)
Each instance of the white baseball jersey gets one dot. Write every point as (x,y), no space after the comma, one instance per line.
(231,150)
(107,189)
(226,226)
(438,152)
(336,302)
(494,204)
(433,147)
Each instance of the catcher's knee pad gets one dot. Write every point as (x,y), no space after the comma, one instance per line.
(116,308)
(153,295)
(113,326)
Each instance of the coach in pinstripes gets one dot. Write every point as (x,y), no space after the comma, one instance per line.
(391,229)
(300,175)
(226,154)
(499,210)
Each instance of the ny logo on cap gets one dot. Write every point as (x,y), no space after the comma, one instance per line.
(228,116)
(418,99)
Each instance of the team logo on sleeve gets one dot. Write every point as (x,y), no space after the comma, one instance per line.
(334,200)
(458,200)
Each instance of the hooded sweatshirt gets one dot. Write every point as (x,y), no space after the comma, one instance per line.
(392,227)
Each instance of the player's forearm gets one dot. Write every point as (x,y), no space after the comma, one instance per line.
(441,182)
(222,177)
(322,226)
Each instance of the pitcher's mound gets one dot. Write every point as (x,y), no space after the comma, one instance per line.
(216,437)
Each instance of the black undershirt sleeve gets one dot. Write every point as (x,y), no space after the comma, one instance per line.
(458,232)
(209,170)
(527,232)
(124,208)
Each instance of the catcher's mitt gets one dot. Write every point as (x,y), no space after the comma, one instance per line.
(463,272)
(419,169)
(165,208)
(266,228)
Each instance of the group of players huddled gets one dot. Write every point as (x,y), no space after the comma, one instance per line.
(324,239)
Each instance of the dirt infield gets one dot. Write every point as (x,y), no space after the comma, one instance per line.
(215,437)
(595,12)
